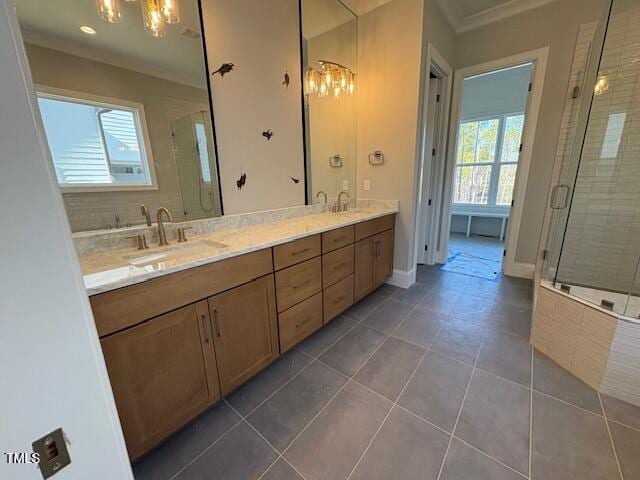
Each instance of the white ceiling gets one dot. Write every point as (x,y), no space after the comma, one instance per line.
(465,15)
(320,16)
(55,24)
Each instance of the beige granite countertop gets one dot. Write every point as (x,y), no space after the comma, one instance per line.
(110,270)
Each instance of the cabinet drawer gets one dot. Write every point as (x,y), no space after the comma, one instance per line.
(377,225)
(296,251)
(337,238)
(300,321)
(297,283)
(337,298)
(337,265)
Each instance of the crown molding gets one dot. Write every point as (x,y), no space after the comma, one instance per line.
(508,9)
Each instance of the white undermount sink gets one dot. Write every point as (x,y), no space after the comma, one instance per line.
(174,252)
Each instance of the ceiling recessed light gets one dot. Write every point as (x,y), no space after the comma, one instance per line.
(87,29)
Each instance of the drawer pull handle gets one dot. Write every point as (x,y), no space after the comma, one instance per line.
(304,322)
(204,328)
(215,322)
(339,299)
(303,284)
(304,250)
(339,239)
(341,265)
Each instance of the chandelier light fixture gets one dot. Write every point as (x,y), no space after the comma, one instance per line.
(155,13)
(331,79)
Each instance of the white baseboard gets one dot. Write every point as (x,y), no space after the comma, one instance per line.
(522,270)
(402,278)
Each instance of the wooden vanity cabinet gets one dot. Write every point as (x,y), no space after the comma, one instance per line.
(245,332)
(163,373)
(373,255)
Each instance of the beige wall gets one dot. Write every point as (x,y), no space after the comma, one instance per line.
(391,44)
(554,25)
(94,210)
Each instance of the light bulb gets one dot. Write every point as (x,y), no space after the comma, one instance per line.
(170,10)
(323,91)
(153,19)
(109,10)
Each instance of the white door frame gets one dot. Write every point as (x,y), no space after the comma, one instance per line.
(539,59)
(432,168)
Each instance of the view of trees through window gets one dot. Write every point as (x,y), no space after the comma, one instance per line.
(487,159)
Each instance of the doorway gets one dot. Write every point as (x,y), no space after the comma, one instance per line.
(494,115)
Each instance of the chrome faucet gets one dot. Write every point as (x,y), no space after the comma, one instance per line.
(346,206)
(320,192)
(145,211)
(161,233)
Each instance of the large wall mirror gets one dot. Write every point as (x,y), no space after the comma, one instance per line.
(329,44)
(122,89)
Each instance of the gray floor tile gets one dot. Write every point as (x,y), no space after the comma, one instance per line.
(405,448)
(252,393)
(286,413)
(323,338)
(507,356)
(495,419)
(516,291)
(552,379)
(436,390)
(569,443)
(627,442)
(353,350)
(440,301)
(389,369)
(387,316)
(514,319)
(240,454)
(332,444)
(429,274)
(364,307)
(420,327)
(465,463)
(386,290)
(281,470)
(184,446)
(461,342)
(621,412)
(413,294)
(468,305)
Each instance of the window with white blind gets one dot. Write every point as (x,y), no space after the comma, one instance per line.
(95,144)
(487,160)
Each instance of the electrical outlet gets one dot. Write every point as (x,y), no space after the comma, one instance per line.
(345,185)
(52,452)
(367,185)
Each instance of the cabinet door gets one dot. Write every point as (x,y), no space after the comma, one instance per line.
(245,331)
(383,247)
(162,373)
(364,268)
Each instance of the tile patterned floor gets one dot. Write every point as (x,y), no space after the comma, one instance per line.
(434,382)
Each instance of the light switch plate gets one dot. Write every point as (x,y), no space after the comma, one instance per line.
(345,185)
(367,185)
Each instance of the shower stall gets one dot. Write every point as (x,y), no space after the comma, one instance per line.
(587,301)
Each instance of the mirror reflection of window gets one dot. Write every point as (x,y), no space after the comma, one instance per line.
(109,86)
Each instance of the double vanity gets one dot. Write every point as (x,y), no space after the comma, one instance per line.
(182,326)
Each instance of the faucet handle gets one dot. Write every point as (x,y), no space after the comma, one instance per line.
(141,238)
(182,235)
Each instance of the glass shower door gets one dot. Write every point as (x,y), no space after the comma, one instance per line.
(595,244)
